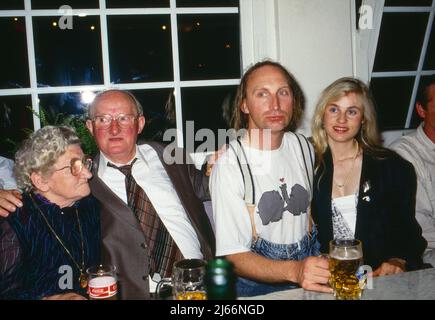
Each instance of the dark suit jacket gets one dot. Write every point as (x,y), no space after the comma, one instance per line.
(385,221)
(123,242)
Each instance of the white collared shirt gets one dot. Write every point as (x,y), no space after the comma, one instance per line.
(151,176)
(418,149)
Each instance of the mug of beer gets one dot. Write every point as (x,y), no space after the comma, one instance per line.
(102,282)
(187,280)
(345,257)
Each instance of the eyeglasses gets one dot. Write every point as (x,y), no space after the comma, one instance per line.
(104,121)
(77,165)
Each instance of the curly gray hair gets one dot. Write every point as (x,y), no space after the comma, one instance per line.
(40,151)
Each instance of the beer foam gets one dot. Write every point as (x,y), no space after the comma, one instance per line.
(346,254)
(100,282)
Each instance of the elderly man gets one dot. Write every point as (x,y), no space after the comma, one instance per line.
(150,214)
(419,149)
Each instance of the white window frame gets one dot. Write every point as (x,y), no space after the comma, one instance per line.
(417,73)
(177,84)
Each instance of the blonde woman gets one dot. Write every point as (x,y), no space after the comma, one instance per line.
(362,190)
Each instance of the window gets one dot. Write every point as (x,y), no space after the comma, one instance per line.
(405,53)
(181,58)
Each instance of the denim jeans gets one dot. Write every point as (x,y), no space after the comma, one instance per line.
(308,246)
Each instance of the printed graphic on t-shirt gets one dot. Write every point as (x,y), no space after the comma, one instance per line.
(272,204)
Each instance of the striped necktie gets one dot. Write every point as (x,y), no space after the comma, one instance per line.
(163,249)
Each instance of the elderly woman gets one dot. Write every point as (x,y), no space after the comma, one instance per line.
(362,190)
(47,245)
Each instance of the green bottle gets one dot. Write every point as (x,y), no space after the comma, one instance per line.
(220,280)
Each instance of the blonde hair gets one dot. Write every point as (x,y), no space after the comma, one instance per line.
(40,152)
(368,135)
(239,120)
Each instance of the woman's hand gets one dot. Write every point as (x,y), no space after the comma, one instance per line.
(65,296)
(391,266)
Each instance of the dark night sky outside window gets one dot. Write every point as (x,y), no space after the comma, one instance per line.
(392,97)
(140,48)
(14,64)
(403,58)
(209,47)
(400,41)
(14,116)
(62,104)
(153,102)
(137,3)
(11,4)
(207,3)
(56,4)
(204,106)
(130,45)
(413,3)
(68,57)
(429,64)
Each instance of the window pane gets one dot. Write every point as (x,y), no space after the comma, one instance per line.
(429,63)
(405,3)
(14,65)
(15,116)
(11,4)
(140,48)
(415,120)
(207,3)
(392,96)
(208,107)
(58,106)
(209,46)
(55,4)
(68,109)
(157,118)
(400,41)
(67,57)
(137,3)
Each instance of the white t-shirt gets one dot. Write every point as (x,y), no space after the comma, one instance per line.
(282,196)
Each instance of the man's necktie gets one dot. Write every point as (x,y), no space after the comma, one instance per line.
(163,250)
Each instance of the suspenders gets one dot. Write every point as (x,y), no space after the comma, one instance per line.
(248,179)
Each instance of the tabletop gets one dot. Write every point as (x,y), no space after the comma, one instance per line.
(414,285)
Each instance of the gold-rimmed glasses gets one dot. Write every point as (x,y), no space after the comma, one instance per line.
(104,121)
(76,165)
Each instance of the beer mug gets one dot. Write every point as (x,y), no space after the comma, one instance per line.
(187,280)
(102,282)
(345,258)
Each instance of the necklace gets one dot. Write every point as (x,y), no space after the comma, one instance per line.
(341,185)
(82,278)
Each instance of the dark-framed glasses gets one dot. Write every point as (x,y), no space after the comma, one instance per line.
(76,165)
(104,121)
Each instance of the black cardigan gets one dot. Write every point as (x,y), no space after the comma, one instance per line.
(385,222)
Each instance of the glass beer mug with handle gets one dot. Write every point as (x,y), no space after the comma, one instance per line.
(345,258)
(187,280)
